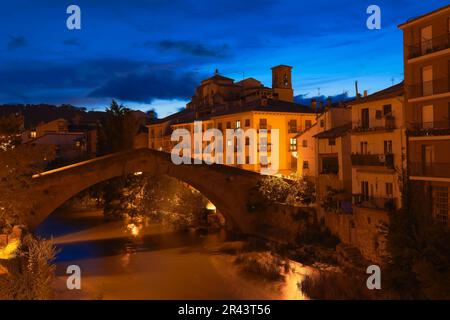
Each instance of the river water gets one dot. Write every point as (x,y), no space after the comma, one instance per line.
(124,261)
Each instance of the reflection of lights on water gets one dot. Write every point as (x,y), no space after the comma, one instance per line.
(210,206)
(134,229)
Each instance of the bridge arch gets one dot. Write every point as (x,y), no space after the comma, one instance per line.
(226,187)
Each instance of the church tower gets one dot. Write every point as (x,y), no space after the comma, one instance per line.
(282,82)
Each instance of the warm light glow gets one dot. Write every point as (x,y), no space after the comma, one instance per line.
(9,251)
(134,229)
(210,206)
(138,173)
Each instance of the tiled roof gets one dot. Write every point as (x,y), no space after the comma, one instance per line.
(334,132)
(187,115)
(423,16)
(391,92)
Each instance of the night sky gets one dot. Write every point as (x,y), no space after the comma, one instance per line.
(152,53)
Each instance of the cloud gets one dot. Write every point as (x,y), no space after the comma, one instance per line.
(191,48)
(16,42)
(148,86)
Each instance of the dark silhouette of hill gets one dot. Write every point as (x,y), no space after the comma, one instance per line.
(35,114)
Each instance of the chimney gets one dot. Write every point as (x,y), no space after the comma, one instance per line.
(314,104)
(365,93)
(356,89)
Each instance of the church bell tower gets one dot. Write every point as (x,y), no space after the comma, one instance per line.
(282,82)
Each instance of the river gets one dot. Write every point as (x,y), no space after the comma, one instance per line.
(122,261)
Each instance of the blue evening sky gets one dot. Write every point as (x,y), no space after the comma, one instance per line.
(152,53)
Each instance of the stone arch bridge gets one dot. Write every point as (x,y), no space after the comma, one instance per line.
(226,187)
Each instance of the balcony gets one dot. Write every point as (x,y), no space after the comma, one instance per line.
(379,160)
(429,46)
(434,170)
(379,203)
(386,122)
(428,88)
(434,128)
(293,130)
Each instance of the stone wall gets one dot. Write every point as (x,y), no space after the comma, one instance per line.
(362,229)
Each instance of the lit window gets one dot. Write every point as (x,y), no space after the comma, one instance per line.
(33,134)
(238,124)
(293,144)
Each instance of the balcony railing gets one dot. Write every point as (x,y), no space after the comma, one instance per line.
(433,128)
(429,46)
(434,170)
(366,201)
(387,122)
(381,160)
(293,130)
(428,88)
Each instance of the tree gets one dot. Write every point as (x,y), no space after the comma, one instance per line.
(18,162)
(116,133)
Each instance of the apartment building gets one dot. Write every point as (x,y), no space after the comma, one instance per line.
(378,147)
(221,103)
(378,162)
(324,151)
(427,82)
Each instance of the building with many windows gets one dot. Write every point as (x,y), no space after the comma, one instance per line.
(221,103)
(427,82)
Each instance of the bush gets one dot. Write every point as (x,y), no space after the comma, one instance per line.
(263,264)
(30,276)
(337,286)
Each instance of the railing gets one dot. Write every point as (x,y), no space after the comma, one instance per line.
(387,122)
(429,128)
(428,88)
(435,170)
(293,130)
(429,46)
(366,201)
(386,160)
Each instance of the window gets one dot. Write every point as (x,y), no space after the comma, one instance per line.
(364,190)
(389,189)
(219,126)
(363,146)
(33,134)
(293,144)
(247,141)
(365,118)
(322,123)
(305,143)
(427,81)
(247,122)
(378,114)
(263,123)
(305,164)
(427,116)
(238,124)
(426,35)
(388,147)
(332,142)
(229,143)
(330,165)
(440,205)
(228,125)
(387,109)
(307,124)
(292,126)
